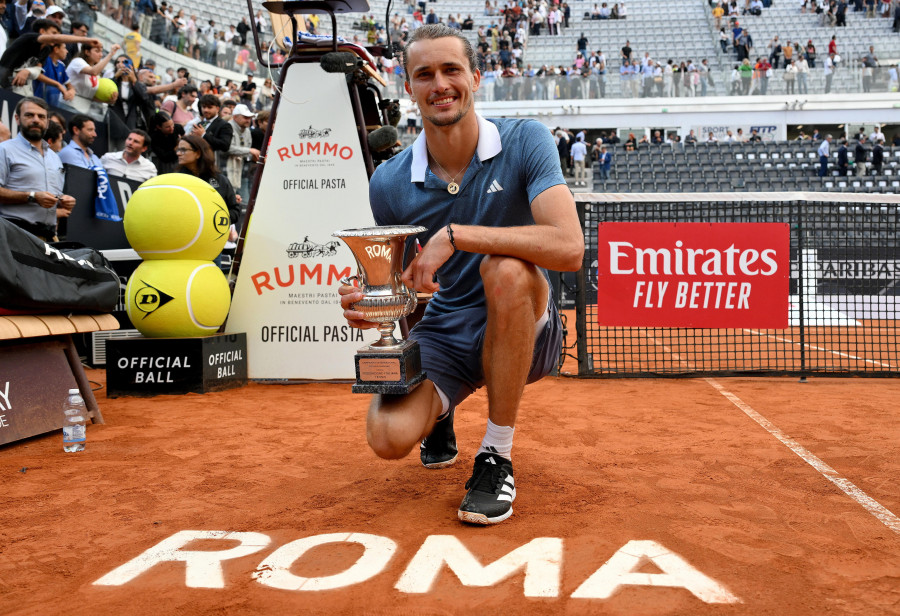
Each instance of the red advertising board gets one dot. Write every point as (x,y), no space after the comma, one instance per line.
(710,275)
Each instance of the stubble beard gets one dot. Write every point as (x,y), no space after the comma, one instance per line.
(450,121)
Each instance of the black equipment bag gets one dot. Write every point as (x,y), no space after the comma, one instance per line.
(59,276)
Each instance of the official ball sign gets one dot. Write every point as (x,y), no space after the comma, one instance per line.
(707,275)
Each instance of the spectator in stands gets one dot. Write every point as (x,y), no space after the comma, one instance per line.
(78,152)
(164,136)
(761,74)
(718,12)
(53,136)
(84,73)
(258,130)
(711,138)
(31,174)
(248,90)
(181,110)
(241,153)
(802,75)
(131,44)
(790,76)
(842,159)
(130,162)
(55,71)
(578,152)
(625,53)
(604,163)
(147,10)
(4,33)
(197,159)
(828,71)
(35,44)
(876,135)
(823,152)
(746,73)
(774,51)
(216,130)
(267,93)
(860,157)
(691,139)
(810,54)
(878,156)
(55,13)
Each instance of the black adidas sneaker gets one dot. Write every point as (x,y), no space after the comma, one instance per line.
(491,491)
(438,449)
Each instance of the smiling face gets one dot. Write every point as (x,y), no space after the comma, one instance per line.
(441,81)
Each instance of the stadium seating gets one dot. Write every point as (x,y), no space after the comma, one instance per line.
(774,166)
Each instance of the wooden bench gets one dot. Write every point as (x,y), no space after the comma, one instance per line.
(38,365)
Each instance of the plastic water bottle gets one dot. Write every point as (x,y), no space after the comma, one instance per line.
(75,426)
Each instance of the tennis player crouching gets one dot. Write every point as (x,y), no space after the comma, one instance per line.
(498,214)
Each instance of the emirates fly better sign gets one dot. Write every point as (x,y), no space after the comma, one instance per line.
(710,275)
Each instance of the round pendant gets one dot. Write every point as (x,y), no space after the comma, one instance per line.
(452,188)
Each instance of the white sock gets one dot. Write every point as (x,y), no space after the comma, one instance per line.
(497,439)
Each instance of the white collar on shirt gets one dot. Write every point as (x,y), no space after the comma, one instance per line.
(488,146)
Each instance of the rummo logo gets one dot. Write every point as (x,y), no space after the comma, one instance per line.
(627,259)
(693,274)
(314,133)
(309,250)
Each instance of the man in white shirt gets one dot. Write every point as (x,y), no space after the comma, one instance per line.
(824,151)
(129,163)
(579,152)
(876,135)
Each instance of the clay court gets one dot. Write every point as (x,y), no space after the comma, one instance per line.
(734,480)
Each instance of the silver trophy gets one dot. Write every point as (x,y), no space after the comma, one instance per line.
(388,366)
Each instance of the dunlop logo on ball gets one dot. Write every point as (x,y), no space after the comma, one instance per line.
(148,299)
(221,221)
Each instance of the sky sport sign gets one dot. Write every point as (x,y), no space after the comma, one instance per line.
(707,275)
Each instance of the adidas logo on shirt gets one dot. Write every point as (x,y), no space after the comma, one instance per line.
(495,187)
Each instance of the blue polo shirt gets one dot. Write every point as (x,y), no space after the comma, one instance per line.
(73,155)
(22,167)
(514,162)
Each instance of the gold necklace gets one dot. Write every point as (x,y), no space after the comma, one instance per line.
(452,187)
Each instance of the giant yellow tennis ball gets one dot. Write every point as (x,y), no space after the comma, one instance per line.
(177,216)
(105,90)
(177,299)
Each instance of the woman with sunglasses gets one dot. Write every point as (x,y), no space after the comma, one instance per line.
(196,158)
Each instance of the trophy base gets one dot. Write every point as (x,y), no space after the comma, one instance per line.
(395,371)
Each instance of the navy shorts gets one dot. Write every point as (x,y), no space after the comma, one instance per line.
(452,345)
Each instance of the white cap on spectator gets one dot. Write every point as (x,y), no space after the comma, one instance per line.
(53,10)
(243,110)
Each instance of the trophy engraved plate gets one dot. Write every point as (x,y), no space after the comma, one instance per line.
(387,366)
(372,369)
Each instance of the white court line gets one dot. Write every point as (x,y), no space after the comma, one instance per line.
(847,487)
(810,346)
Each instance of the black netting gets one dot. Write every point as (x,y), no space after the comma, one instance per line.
(845,261)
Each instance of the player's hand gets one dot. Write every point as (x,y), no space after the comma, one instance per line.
(420,274)
(349,296)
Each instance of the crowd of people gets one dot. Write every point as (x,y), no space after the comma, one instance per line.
(155,120)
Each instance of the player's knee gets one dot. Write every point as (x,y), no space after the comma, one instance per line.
(506,277)
(386,445)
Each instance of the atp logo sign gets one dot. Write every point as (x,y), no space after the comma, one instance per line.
(148,299)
